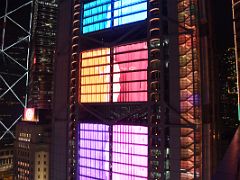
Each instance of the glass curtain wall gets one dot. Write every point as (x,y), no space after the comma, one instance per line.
(97,15)
(129,74)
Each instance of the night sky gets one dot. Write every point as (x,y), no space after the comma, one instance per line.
(223,28)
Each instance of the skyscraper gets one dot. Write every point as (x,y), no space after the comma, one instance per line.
(135,91)
(43,47)
(15,33)
(228,120)
(33,134)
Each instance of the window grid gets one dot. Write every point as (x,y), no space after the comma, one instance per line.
(94,151)
(97,15)
(129,82)
(129,152)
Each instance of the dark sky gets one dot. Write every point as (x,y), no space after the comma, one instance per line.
(223,28)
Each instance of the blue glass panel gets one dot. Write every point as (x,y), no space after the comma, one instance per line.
(130,9)
(130,18)
(97,26)
(123,3)
(97,14)
(95,3)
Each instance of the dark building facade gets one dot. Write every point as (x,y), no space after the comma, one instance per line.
(132,104)
(6,162)
(14,60)
(228,99)
(32,144)
(31,150)
(43,48)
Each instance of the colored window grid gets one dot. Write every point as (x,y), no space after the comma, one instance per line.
(129,152)
(130,73)
(95,76)
(97,15)
(93,151)
(129,83)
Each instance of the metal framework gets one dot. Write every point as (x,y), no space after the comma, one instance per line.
(191,155)
(14,60)
(155,112)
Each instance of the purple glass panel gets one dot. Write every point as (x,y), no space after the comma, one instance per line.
(93,151)
(129,152)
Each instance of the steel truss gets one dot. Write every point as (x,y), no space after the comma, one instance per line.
(14,61)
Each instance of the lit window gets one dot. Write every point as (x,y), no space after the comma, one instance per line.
(129,152)
(95,76)
(97,15)
(129,72)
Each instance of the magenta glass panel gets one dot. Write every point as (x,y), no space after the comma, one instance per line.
(93,151)
(130,152)
(130,47)
(130,72)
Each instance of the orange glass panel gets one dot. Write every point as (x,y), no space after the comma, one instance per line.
(95,76)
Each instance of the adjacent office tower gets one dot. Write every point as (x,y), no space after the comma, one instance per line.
(135,91)
(14,65)
(43,47)
(32,145)
(236,31)
(14,58)
(228,121)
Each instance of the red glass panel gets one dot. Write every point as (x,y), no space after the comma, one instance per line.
(130,68)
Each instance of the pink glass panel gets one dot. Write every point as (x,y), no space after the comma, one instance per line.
(130,47)
(130,64)
(130,152)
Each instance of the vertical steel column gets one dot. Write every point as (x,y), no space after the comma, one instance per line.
(156,109)
(72,125)
(236,3)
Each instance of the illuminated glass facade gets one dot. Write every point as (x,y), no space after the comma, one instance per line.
(135,75)
(129,152)
(94,151)
(95,75)
(97,15)
(129,74)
